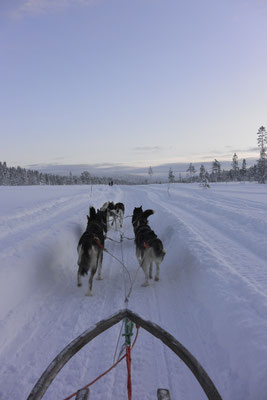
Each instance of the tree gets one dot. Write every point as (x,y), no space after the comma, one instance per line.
(235,167)
(85,177)
(191,169)
(203,176)
(262,162)
(216,171)
(202,172)
(150,172)
(171,176)
(243,170)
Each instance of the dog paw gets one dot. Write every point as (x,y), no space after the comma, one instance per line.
(89,294)
(79,284)
(156,278)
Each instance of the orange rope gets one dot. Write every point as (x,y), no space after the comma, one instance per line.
(104,373)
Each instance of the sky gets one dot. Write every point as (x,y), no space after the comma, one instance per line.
(131,82)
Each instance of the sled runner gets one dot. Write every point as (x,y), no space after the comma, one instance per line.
(72,348)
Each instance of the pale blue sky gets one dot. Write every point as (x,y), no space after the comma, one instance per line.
(138,82)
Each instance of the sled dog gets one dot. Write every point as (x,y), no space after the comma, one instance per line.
(91,246)
(118,214)
(108,206)
(149,248)
(115,212)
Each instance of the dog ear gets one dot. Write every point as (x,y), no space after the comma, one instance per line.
(92,212)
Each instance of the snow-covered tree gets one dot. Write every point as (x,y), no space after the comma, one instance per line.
(191,169)
(262,162)
(86,177)
(150,172)
(243,170)
(202,172)
(235,167)
(216,171)
(203,176)
(171,176)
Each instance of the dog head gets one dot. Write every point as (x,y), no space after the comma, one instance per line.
(92,214)
(111,205)
(137,212)
(101,218)
(119,206)
(142,218)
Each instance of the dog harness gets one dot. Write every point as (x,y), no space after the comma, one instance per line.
(98,242)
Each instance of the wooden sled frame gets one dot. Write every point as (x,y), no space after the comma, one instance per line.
(77,344)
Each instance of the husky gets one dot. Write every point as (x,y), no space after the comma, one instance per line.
(91,246)
(149,248)
(140,217)
(118,214)
(115,212)
(108,207)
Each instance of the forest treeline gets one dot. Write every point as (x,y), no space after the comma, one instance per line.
(17,176)
(11,176)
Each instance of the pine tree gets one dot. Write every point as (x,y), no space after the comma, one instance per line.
(202,173)
(262,162)
(171,176)
(243,171)
(150,172)
(235,167)
(6,174)
(191,169)
(204,182)
(216,171)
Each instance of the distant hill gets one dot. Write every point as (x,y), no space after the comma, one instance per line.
(160,172)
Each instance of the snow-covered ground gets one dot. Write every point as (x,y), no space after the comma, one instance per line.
(212,293)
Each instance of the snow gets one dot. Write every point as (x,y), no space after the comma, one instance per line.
(212,293)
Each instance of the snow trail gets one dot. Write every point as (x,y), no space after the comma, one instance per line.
(211,295)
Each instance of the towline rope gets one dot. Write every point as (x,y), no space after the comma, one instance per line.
(119,261)
(113,366)
(127,296)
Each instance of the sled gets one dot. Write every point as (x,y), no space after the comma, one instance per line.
(77,344)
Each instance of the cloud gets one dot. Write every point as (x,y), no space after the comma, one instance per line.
(41,7)
(147,148)
(253,150)
(228,152)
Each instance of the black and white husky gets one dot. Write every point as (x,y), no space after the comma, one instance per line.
(115,213)
(91,246)
(149,248)
(108,207)
(118,214)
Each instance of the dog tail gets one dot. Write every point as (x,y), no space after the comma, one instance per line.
(147,213)
(83,261)
(158,248)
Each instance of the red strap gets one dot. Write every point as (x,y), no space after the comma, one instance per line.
(98,242)
(128,362)
(146,246)
(125,355)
